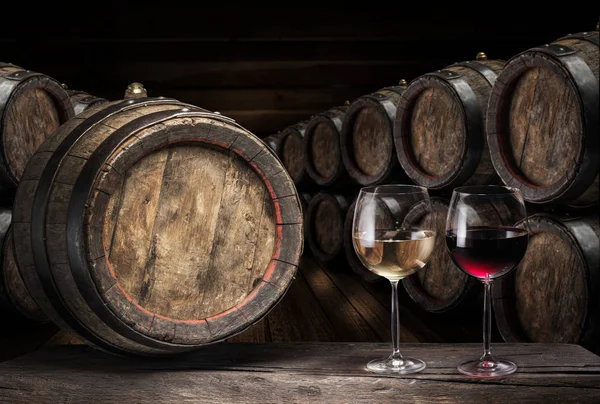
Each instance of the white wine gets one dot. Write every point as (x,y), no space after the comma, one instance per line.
(395,254)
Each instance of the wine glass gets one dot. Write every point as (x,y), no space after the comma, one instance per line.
(486,236)
(389,247)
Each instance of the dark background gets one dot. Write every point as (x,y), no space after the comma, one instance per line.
(265,67)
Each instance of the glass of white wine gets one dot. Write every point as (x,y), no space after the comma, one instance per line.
(390,247)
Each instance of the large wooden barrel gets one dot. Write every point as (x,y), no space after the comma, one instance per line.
(353,260)
(440,286)
(292,155)
(542,122)
(367,138)
(439,129)
(32,107)
(82,101)
(152,227)
(321,148)
(325,226)
(553,295)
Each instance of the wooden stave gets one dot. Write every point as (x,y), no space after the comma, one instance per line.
(466,298)
(341,204)
(475,153)
(94,341)
(586,174)
(351,257)
(384,100)
(82,101)
(580,231)
(14,80)
(334,118)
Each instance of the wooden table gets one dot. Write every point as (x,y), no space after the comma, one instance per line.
(298,373)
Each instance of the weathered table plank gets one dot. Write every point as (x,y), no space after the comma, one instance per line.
(298,372)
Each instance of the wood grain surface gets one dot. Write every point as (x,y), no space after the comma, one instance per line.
(439,127)
(540,120)
(302,372)
(367,139)
(189,231)
(552,295)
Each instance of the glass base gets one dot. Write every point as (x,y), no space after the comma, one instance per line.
(479,368)
(402,366)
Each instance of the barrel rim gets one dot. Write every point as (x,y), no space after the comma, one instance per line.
(346,141)
(274,272)
(297,129)
(472,145)
(307,150)
(32,80)
(576,181)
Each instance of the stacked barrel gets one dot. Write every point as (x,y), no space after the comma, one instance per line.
(529,122)
(124,220)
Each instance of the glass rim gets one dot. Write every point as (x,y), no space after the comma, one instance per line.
(479,190)
(407,189)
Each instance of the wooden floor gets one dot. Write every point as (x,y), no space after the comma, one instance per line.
(323,304)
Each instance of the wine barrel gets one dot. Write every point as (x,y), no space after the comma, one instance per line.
(82,101)
(542,122)
(325,226)
(273,142)
(321,148)
(32,107)
(292,154)
(440,286)
(439,129)
(353,260)
(15,300)
(552,296)
(152,227)
(367,138)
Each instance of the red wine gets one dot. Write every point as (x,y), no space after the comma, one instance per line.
(487,252)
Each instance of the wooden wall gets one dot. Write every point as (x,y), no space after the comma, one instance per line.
(265,67)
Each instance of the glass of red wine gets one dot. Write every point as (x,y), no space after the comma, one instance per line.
(486,237)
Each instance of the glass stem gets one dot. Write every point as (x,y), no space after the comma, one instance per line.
(395,322)
(487,357)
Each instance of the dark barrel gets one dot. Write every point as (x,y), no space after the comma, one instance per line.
(353,260)
(542,122)
(151,227)
(553,295)
(18,333)
(32,107)
(367,137)
(15,300)
(321,148)
(292,155)
(439,129)
(440,286)
(325,225)
(273,142)
(82,101)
